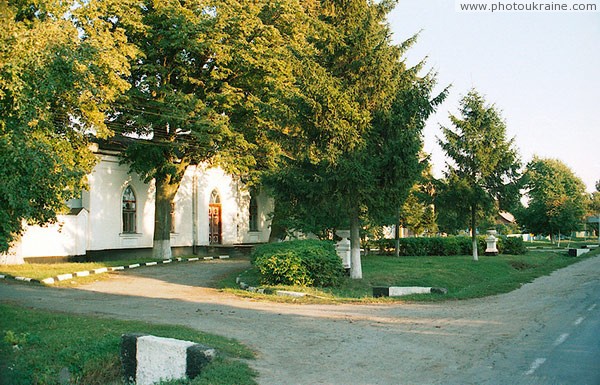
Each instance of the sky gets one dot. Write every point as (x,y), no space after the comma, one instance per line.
(540,69)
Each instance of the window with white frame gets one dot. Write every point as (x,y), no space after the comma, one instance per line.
(129,210)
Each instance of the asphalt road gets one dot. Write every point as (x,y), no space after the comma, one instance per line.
(547,332)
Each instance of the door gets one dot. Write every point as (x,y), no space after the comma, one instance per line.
(214,220)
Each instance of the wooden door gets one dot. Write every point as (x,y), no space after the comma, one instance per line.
(214,223)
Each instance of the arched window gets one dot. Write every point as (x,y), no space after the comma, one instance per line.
(129,210)
(253,214)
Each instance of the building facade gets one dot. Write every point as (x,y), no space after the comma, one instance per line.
(117,213)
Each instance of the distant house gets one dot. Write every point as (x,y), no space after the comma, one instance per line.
(116,214)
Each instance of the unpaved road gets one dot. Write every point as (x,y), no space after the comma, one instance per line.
(505,339)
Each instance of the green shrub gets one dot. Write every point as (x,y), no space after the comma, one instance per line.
(302,263)
(461,245)
(514,245)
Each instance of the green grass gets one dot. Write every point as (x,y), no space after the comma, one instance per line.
(463,277)
(40,271)
(45,270)
(35,345)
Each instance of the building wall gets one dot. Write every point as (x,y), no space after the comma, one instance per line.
(98,224)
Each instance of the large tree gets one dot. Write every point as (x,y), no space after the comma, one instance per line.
(60,67)
(556,198)
(209,87)
(357,154)
(482,172)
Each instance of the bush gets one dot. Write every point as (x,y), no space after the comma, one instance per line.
(448,246)
(302,263)
(514,245)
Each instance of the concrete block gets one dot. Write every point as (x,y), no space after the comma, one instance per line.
(167,261)
(2,276)
(208,258)
(48,281)
(148,359)
(100,270)
(286,293)
(223,256)
(381,291)
(23,279)
(117,268)
(578,252)
(151,263)
(64,277)
(133,266)
(193,259)
(396,291)
(82,273)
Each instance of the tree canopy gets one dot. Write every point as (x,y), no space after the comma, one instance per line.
(556,198)
(208,87)
(356,154)
(482,171)
(60,68)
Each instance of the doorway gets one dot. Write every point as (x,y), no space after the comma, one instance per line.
(214,219)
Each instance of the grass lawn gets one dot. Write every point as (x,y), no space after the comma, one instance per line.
(463,277)
(40,271)
(35,345)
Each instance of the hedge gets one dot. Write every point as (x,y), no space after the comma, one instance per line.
(447,246)
(302,263)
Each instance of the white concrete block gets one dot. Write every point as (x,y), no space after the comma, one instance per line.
(22,279)
(193,259)
(48,281)
(167,261)
(223,256)
(2,276)
(396,291)
(100,270)
(134,266)
(82,273)
(117,268)
(151,263)
(208,258)
(160,359)
(64,277)
(290,293)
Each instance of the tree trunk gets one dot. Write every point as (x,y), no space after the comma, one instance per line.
(165,193)
(278,231)
(474,233)
(356,267)
(397,238)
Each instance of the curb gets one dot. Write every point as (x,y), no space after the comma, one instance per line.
(398,291)
(102,270)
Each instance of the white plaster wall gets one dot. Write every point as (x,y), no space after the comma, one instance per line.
(107,182)
(265,208)
(184,211)
(65,237)
(216,179)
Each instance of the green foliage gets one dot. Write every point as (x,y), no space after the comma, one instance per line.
(556,198)
(513,245)
(301,263)
(482,175)
(441,246)
(60,67)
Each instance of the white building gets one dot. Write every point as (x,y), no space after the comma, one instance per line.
(116,214)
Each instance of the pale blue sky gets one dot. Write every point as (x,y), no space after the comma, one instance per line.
(542,70)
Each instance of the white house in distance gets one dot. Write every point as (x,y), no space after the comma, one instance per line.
(116,215)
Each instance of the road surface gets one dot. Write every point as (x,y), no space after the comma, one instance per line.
(547,332)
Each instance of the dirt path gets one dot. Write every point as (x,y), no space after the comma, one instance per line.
(450,343)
